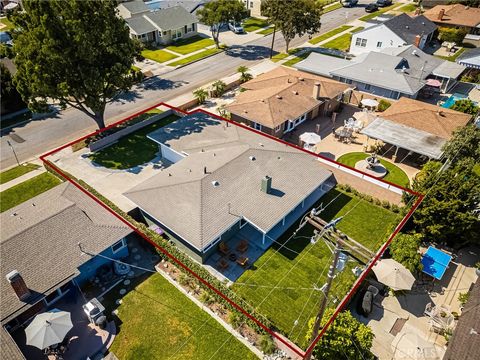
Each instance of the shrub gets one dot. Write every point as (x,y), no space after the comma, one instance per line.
(206,298)
(463,298)
(266,344)
(234,319)
(451,35)
(466,106)
(404,249)
(383,105)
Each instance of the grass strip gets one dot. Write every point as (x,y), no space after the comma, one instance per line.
(329,34)
(17,171)
(196,57)
(341,43)
(158,55)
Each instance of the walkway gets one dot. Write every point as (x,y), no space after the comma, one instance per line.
(24,177)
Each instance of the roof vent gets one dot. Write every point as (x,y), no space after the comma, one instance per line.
(260,144)
(301,79)
(289,80)
(407,26)
(245,111)
(295,92)
(278,97)
(215,183)
(252,158)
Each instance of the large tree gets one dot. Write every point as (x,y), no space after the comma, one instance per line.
(74,52)
(217,13)
(346,338)
(293,17)
(10,98)
(466,106)
(464,143)
(404,249)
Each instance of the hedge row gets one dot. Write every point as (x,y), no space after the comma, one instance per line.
(383,203)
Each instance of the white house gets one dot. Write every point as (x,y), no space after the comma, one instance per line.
(398,31)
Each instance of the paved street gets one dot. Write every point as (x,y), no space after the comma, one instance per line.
(38,136)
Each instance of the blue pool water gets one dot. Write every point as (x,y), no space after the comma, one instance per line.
(451,100)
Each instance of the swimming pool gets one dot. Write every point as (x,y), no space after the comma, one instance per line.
(451,100)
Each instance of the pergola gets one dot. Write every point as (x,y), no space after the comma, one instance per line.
(405,137)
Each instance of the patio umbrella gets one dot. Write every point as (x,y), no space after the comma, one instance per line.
(393,274)
(370,102)
(434,83)
(10,6)
(364,116)
(408,345)
(310,138)
(48,328)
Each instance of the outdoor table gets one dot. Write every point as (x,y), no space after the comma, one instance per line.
(345,133)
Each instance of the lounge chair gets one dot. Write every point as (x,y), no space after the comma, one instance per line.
(223,265)
(223,248)
(242,246)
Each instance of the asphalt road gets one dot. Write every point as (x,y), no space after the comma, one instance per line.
(39,136)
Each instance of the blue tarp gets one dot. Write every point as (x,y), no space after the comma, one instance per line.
(435,262)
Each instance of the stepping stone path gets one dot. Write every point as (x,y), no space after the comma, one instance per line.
(126,282)
(123,291)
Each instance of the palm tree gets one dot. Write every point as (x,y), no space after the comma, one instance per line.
(200,95)
(244,75)
(218,88)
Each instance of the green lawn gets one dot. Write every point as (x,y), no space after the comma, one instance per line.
(17,171)
(196,57)
(132,150)
(194,43)
(376,13)
(158,55)
(159,322)
(408,8)
(266,31)
(297,59)
(335,6)
(341,43)
(9,25)
(329,34)
(357,29)
(279,56)
(253,24)
(28,189)
(366,223)
(395,174)
(452,57)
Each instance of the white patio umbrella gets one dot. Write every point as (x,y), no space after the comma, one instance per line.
(393,274)
(364,116)
(409,345)
(310,138)
(370,102)
(48,328)
(10,6)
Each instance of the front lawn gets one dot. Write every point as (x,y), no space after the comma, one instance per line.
(341,43)
(17,171)
(158,55)
(281,282)
(196,57)
(131,150)
(26,190)
(267,31)
(159,322)
(297,58)
(191,44)
(377,13)
(329,34)
(395,174)
(253,24)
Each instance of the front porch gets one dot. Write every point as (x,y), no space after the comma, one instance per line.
(225,262)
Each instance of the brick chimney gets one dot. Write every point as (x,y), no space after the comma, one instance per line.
(316,91)
(417,41)
(266,185)
(18,285)
(440,14)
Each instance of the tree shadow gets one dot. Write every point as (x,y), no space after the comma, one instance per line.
(248,52)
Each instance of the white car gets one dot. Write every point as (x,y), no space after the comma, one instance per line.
(236,27)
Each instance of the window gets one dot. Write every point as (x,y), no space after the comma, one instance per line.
(119,245)
(367,86)
(257,126)
(185,29)
(243,222)
(361,42)
(379,44)
(278,128)
(251,4)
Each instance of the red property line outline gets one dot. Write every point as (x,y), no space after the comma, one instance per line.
(193,273)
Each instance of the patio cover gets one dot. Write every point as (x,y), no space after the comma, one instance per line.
(408,138)
(435,262)
(449,69)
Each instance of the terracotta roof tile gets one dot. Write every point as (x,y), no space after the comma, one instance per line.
(456,14)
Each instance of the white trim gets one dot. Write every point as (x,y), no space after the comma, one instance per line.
(243,219)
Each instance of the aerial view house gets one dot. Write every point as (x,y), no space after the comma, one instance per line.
(470,58)
(391,72)
(190,5)
(416,126)
(161,26)
(41,257)
(398,31)
(457,16)
(254,6)
(277,101)
(226,181)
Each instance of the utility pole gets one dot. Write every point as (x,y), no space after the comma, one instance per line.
(323,304)
(14,153)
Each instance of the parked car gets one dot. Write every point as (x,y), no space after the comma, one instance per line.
(349,3)
(383,3)
(371,7)
(236,27)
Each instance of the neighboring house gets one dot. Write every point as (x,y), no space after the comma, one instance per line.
(190,5)
(254,6)
(416,126)
(456,15)
(391,73)
(464,344)
(225,179)
(470,58)
(162,26)
(278,101)
(41,258)
(398,31)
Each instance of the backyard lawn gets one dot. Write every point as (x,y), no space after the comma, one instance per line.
(329,34)
(159,322)
(191,44)
(395,174)
(158,55)
(252,24)
(26,190)
(295,274)
(17,171)
(195,57)
(452,57)
(131,150)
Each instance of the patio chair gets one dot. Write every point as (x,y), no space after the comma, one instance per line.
(242,261)
(242,246)
(223,265)
(223,248)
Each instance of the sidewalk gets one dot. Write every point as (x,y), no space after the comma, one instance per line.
(24,177)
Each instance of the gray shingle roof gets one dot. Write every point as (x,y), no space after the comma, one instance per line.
(328,64)
(140,25)
(409,27)
(135,7)
(41,241)
(164,19)
(183,198)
